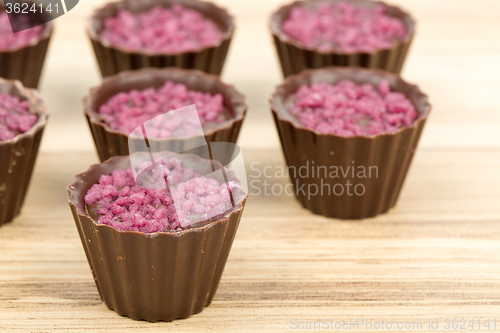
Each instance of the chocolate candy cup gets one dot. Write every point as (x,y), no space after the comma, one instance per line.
(389,154)
(160,276)
(26,63)
(18,155)
(113,60)
(294,58)
(111,143)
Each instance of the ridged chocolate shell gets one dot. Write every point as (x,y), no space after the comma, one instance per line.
(26,63)
(113,60)
(294,58)
(389,155)
(111,143)
(18,156)
(155,277)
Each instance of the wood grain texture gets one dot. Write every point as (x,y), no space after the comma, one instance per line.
(435,256)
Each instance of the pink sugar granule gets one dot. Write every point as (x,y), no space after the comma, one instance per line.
(187,198)
(14,117)
(165,30)
(344,27)
(348,109)
(125,112)
(9,40)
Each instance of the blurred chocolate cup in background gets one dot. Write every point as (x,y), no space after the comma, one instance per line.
(294,57)
(25,63)
(110,142)
(113,59)
(387,156)
(18,155)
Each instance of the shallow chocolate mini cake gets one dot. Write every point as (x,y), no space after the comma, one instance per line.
(22,54)
(156,253)
(221,110)
(132,34)
(349,136)
(23,116)
(321,33)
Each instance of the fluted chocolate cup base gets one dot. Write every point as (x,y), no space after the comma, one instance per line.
(26,63)
(113,60)
(111,143)
(155,277)
(18,156)
(321,165)
(295,59)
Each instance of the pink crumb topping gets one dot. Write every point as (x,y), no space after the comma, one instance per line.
(14,117)
(9,40)
(167,30)
(348,109)
(343,26)
(188,198)
(127,111)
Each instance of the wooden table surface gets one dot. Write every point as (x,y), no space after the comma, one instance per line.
(436,256)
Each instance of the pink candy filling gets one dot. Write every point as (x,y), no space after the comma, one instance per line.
(343,26)
(167,30)
(348,109)
(14,117)
(126,111)
(11,41)
(189,198)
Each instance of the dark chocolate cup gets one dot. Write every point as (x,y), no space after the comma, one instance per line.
(26,63)
(111,143)
(161,276)
(294,58)
(113,60)
(389,155)
(18,155)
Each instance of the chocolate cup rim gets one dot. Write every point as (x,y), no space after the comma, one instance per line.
(38,104)
(332,70)
(237,97)
(45,34)
(94,35)
(94,168)
(279,15)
